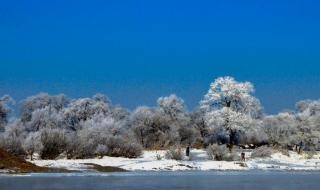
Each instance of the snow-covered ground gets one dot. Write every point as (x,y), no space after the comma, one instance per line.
(199,161)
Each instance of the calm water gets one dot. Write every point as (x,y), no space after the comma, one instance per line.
(167,181)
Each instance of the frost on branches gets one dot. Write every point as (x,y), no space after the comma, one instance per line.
(232,113)
(54,125)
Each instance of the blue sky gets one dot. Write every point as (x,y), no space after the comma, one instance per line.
(136,51)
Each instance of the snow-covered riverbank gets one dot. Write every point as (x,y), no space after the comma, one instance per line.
(150,162)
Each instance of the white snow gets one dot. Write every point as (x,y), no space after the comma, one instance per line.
(279,161)
(199,161)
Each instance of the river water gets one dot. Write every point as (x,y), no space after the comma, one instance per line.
(252,180)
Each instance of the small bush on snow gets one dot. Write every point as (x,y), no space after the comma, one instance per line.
(158,157)
(131,150)
(221,153)
(262,152)
(174,153)
(118,147)
(53,142)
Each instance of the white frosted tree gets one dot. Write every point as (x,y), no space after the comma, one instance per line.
(308,118)
(141,122)
(282,129)
(174,110)
(12,138)
(32,143)
(172,106)
(230,106)
(296,129)
(44,118)
(84,109)
(226,92)
(40,101)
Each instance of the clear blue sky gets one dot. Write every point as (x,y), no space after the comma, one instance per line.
(136,51)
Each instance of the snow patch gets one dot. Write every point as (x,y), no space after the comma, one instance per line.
(150,161)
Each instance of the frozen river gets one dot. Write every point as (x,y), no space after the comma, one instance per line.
(166,180)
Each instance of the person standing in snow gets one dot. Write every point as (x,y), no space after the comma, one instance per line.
(300,147)
(188,151)
(243,157)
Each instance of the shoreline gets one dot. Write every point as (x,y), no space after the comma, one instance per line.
(160,173)
(149,163)
(155,161)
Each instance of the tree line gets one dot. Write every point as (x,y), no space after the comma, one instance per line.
(55,125)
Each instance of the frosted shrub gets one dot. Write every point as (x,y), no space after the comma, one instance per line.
(32,144)
(12,139)
(221,153)
(174,153)
(118,147)
(13,145)
(262,152)
(158,157)
(54,142)
(131,150)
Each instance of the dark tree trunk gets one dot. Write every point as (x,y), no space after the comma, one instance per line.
(142,139)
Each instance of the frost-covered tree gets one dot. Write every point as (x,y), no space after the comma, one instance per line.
(197,121)
(4,110)
(172,106)
(120,114)
(141,122)
(54,142)
(152,128)
(106,123)
(282,129)
(174,109)
(308,118)
(32,143)
(44,118)
(231,109)
(163,126)
(84,109)
(293,129)
(226,92)
(40,101)
(12,139)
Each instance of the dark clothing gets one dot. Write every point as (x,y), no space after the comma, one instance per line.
(188,151)
(243,157)
(300,147)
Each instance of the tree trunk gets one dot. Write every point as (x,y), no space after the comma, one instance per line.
(142,139)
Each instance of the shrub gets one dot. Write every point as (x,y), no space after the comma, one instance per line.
(32,144)
(12,139)
(221,153)
(174,153)
(54,142)
(262,152)
(118,147)
(310,154)
(158,157)
(13,145)
(131,150)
